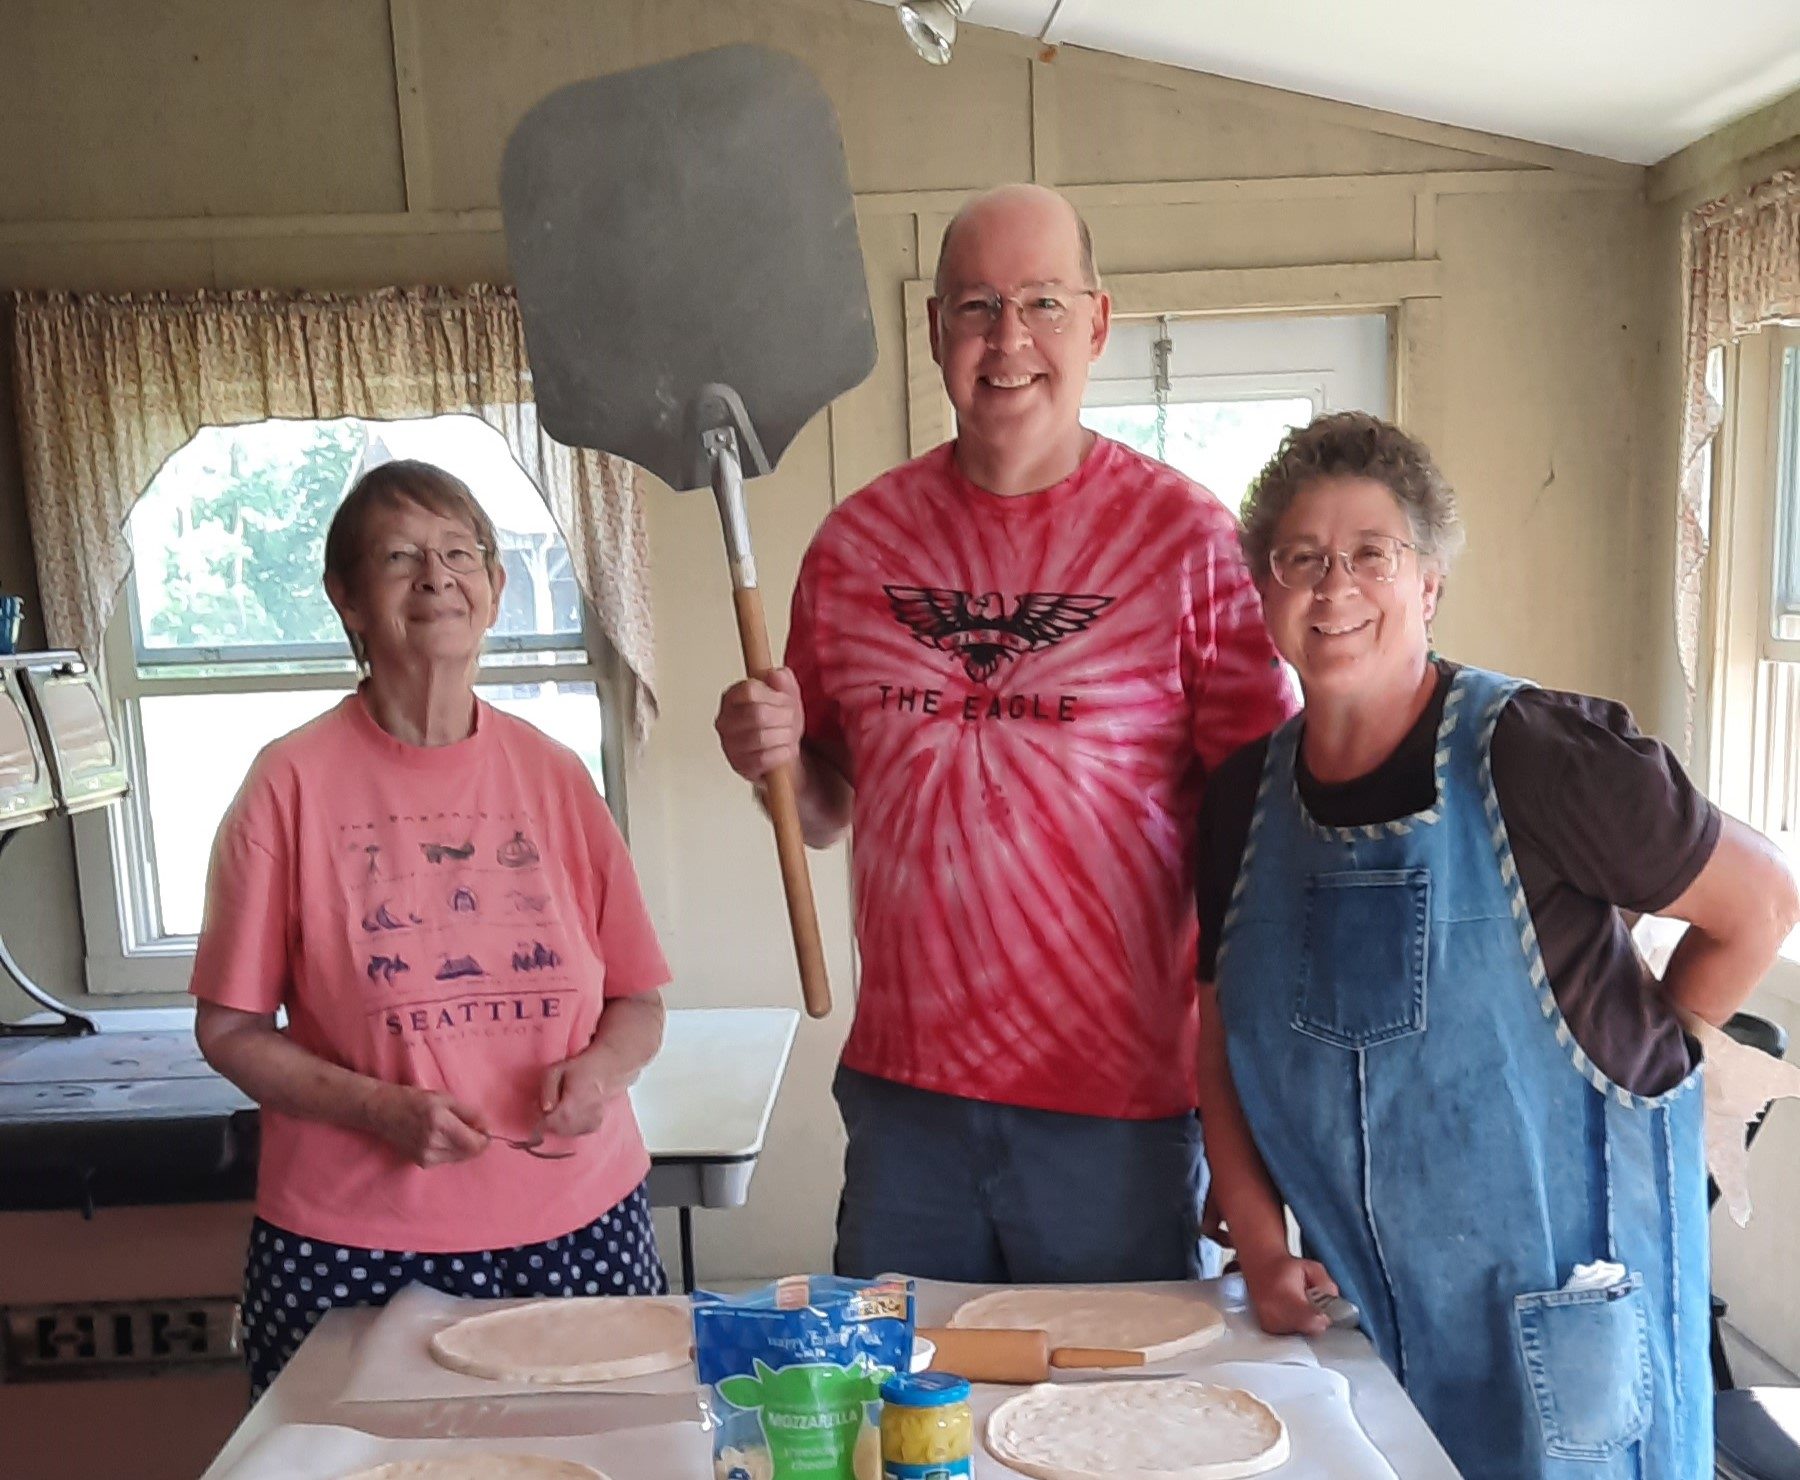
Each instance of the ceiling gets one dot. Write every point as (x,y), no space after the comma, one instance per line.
(1631,80)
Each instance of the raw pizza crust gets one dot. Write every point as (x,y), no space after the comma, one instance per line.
(1150,1429)
(1158,1323)
(568,1340)
(481,1467)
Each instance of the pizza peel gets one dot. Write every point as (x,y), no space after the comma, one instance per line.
(683,240)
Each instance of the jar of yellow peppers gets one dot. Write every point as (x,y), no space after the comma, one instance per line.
(927,1432)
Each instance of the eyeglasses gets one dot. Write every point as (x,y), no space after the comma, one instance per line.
(409,560)
(1376,558)
(1044,309)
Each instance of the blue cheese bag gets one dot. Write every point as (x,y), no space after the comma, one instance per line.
(791,1375)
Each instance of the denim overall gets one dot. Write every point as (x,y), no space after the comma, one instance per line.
(1449,1151)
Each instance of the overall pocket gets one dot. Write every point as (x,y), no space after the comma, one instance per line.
(1362,981)
(1587,1358)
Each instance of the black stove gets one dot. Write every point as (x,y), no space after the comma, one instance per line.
(118,1118)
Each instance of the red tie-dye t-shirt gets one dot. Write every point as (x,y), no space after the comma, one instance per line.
(1026,694)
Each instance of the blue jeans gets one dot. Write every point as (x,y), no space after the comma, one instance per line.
(946,1188)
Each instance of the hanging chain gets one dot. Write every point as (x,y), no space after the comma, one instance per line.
(1159,368)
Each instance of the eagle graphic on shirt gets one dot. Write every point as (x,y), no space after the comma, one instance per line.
(981,632)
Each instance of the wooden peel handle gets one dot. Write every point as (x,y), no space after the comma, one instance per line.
(784,812)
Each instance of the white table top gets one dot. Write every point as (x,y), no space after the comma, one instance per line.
(307,1390)
(707,1096)
(709,1092)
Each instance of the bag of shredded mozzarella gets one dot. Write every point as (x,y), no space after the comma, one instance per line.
(791,1375)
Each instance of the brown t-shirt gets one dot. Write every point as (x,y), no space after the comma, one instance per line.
(1601,817)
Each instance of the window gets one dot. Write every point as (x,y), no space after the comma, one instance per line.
(1775,752)
(1214,395)
(1752,755)
(224,640)
(1785,612)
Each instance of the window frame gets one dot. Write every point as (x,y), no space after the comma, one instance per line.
(1188,390)
(1330,361)
(1410,292)
(1327,358)
(1740,576)
(1783,621)
(1731,751)
(114,863)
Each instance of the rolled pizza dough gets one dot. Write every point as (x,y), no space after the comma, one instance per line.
(1154,1429)
(568,1340)
(1158,1323)
(481,1467)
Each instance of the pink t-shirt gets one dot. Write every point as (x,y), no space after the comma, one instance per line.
(451,917)
(1026,694)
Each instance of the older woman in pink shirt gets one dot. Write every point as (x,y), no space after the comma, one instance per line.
(437,897)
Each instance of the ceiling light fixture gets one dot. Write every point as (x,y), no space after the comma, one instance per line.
(930,26)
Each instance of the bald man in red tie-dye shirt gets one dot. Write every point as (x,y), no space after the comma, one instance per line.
(1011,665)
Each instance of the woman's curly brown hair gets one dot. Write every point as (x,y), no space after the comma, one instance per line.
(1352,444)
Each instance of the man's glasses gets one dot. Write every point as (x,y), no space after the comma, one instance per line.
(1375,557)
(973,313)
(409,560)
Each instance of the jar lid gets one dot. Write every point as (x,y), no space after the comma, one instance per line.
(924,1389)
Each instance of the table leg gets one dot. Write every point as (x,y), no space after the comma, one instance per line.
(686,1217)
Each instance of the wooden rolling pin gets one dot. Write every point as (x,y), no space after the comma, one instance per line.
(993,1354)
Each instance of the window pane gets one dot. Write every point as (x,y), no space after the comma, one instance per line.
(1786,612)
(569,712)
(1775,790)
(188,786)
(1221,445)
(229,539)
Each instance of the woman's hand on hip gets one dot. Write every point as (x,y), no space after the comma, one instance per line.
(1279,1285)
(425,1126)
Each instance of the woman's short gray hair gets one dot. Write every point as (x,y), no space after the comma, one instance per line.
(389,485)
(1352,444)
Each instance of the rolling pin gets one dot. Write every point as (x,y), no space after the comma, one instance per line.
(993,1354)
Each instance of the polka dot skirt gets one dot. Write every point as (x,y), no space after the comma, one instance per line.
(291,1281)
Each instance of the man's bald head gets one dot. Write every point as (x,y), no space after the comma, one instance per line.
(1016,320)
(1032,206)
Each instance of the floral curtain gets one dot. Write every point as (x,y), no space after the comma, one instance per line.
(108,387)
(1741,261)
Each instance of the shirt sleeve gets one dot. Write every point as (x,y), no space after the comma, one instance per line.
(1240,691)
(242,959)
(824,719)
(1609,808)
(632,954)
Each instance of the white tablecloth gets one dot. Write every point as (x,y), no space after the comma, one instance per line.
(307,1392)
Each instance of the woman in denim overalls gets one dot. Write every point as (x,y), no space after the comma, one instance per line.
(1400,1065)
